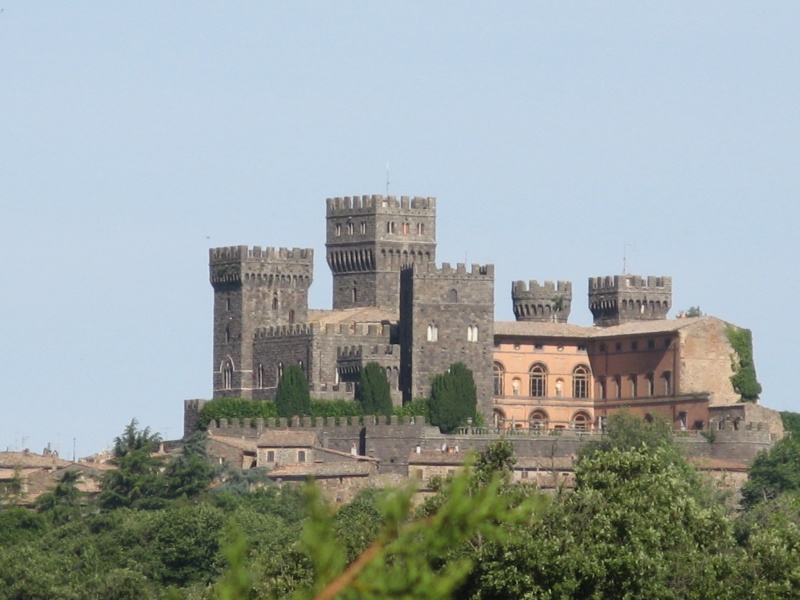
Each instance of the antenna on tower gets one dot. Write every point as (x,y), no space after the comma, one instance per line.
(625,257)
(387,177)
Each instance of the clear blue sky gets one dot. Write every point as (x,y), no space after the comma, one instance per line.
(133,136)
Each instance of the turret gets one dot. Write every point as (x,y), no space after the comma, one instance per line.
(625,298)
(369,239)
(548,303)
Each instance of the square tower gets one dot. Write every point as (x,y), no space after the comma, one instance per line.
(446,317)
(369,239)
(253,288)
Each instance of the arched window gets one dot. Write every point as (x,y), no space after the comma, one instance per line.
(227,333)
(538,381)
(581,421)
(275,303)
(452,296)
(227,376)
(363,227)
(472,333)
(634,380)
(406,228)
(666,378)
(420,229)
(650,379)
(433,333)
(498,374)
(538,420)
(499,417)
(351,228)
(291,317)
(580,382)
(338,229)
(355,293)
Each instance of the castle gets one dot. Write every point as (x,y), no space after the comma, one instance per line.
(545,383)
(393,305)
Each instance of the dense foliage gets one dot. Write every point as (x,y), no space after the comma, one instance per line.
(292,398)
(453,398)
(744,379)
(372,392)
(241,408)
(640,523)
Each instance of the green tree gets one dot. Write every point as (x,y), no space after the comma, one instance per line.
(136,481)
(292,397)
(372,391)
(453,398)
(693,311)
(191,473)
(62,503)
(773,472)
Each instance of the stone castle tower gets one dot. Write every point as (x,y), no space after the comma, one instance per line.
(253,288)
(548,303)
(369,239)
(446,316)
(625,298)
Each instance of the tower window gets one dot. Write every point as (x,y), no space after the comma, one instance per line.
(363,227)
(433,333)
(260,376)
(420,229)
(275,303)
(227,303)
(271,456)
(227,376)
(406,228)
(227,333)
(291,317)
(472,333)
(351,228)
(338,229)
(280,371)
(617,386)
(390,227)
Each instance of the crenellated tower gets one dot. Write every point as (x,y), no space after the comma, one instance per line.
(253,288)
(369,239)
(625,298)
(446,317)
(548,303)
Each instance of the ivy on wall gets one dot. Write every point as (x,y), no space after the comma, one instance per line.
(744,378)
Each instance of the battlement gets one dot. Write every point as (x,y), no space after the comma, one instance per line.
(284,331)
(625,298)
(550,302)
(252,427)
(630,282)
(378,332)
(230,254)
(361,351)
(549,287)
(377,203)
(446,271)
(270,266)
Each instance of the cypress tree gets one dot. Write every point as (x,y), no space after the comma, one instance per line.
(293,397)
(372,391)
(454,398)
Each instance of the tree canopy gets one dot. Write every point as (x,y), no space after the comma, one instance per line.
(373,392)
(453,398)
(293,398)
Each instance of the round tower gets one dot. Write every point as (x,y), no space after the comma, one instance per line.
(625,298)
(548,303)
(369,239)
